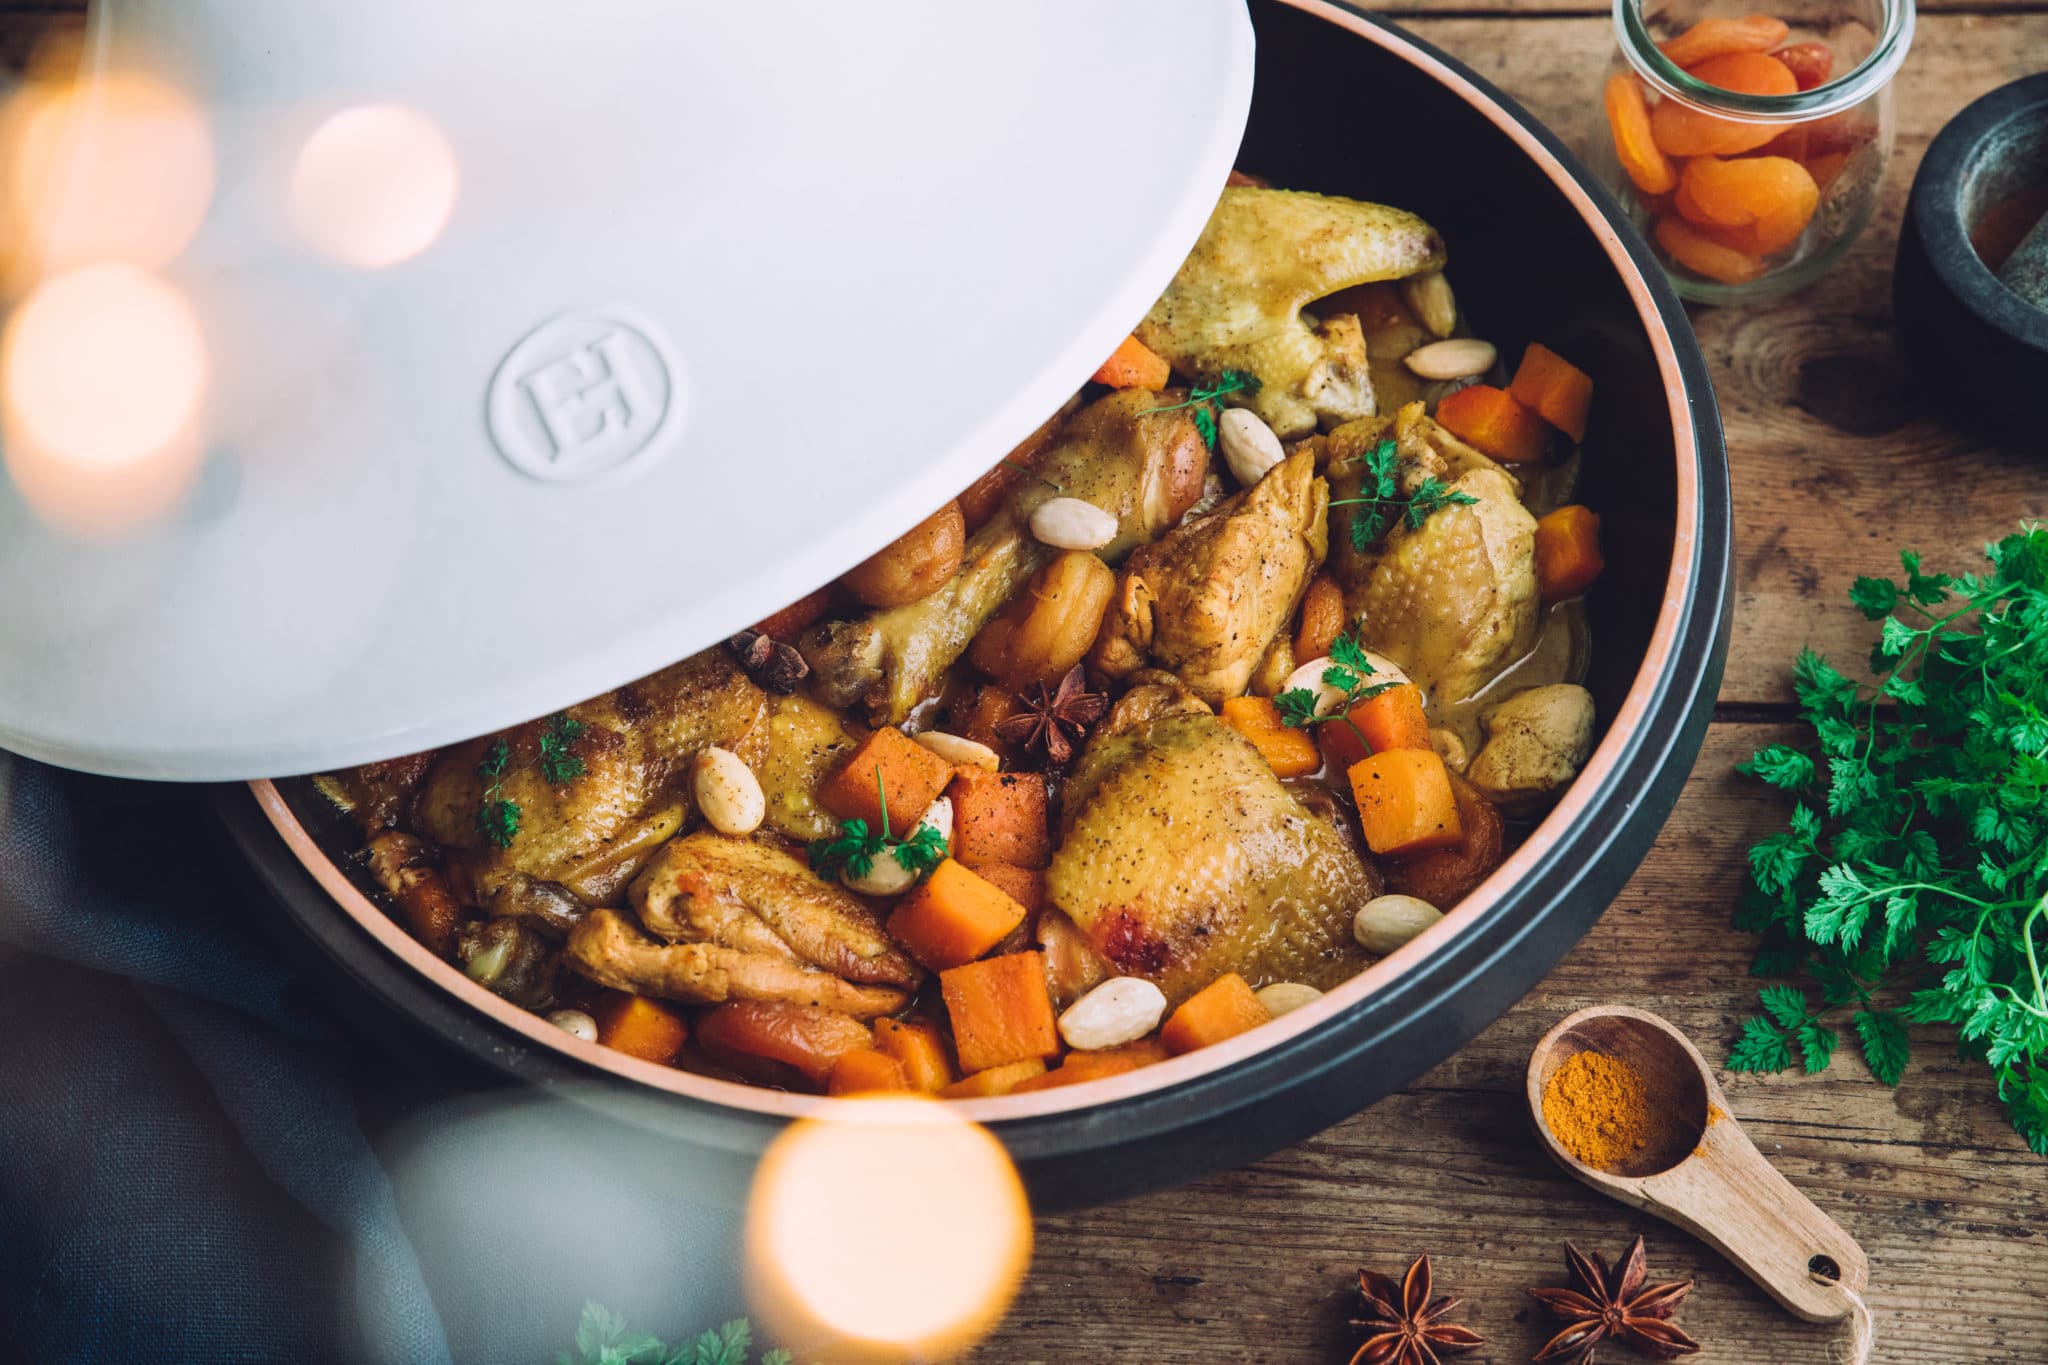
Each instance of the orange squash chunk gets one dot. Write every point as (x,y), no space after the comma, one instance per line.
(1024,885)
(1681,130)
(1091,1066)
(912,775)
(1405,802)
(918,1049)
(1555,389)
(1567,552)
(1628,121)
(1392,719)
(809,1038)
(1758,204)
(1490,419)
(953,916)
(1133,365)
(866,1071)
(995,1080)
(1701,254)
(1719,37)
(1290,752)
(1001,1011)
(1810,63)
(1222,1009)
(640,1027)
(1000,818)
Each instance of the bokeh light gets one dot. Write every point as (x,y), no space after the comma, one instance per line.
(374,185)
(119,167)
(103,373)
(892,1230)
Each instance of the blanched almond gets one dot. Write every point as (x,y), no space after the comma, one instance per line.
(1249,446)
(575,1023)
(1120,1010)
(1458,358)
(888,876)
(1429,297)
(1072,524)
(1282,997)
(1386,922)
(727,792)
(960,751)
(1310,676)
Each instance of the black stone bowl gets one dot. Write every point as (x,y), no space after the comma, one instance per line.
(1348,104)
(1979,350)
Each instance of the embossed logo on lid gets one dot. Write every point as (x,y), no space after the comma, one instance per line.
(581,396)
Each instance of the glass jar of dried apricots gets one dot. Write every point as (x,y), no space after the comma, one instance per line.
(1750,147)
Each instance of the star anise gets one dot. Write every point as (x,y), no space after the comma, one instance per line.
(774,666)
(1605,1305)
(1054,720)
(1407,1327)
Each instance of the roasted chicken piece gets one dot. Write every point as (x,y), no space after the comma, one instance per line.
(1265,255)
(734,919)
(1182,856)
(1205,602)
(580,840)
(1144,466)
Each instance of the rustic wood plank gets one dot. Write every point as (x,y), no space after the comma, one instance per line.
(1254,1265)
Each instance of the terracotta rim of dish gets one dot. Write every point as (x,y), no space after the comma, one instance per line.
(1606,757)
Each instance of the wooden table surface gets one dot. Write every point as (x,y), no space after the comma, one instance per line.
(1834,467)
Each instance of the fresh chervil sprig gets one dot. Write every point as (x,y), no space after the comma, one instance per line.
(1383,503)
(498,819)
(602,1339)
(557,764)
(856,847)
(1349,671)
(1915,859)
(1207,400)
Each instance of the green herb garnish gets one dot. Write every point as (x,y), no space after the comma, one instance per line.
(497,819)
(856,847)
(557,764)
(1917,854)
(602,1339)
(1383,503)
(1207,401)
(1348,672)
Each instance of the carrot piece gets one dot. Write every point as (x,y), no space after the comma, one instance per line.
(1810,63)
(1445,876)
(1290,752)
(1558,391)
(1321,620)
(1567,552)
(1718,37)
(1405,802)
(1091,1066)
(1222,1009)
(1682,130)
(866,1071)
(797,617)
(918,1049)
(886,761)
(1001,1011)
(1701,254)
(1757,204)
(809,1038)
(1024,885)
(640,1027)
(1392,719)
(1000,818)
(995,1080)
(1628,122)
(953,916)
(1492,420)
(1133,365)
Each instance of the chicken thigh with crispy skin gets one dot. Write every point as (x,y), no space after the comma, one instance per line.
(1205,602)
(579,840)
(1265,255)
(1182,856)
(1131,453)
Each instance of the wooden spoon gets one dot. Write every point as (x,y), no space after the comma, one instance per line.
(1710,1179)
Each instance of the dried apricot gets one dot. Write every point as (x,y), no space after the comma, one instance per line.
(1718,37)
(1810,63)
(1681,130)
(1629,119)
(1702,255)
(1758,204)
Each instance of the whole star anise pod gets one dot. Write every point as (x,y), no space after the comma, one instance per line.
(774,666)
(1407,1327)
(1054,720)
(1605,1305)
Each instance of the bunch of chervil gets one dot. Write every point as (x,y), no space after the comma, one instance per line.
(1917,855)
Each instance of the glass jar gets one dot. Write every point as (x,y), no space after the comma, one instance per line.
(1749,147)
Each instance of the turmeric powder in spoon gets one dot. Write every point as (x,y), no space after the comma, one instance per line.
(1602,1111)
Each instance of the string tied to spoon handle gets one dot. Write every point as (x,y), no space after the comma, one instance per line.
(1862,1324)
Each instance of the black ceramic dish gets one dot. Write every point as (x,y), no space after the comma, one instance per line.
(1537,251)
(1977,346)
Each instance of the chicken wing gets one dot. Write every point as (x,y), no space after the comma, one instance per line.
(1205,602)
(1237,302)
(1183,857)
(611,952)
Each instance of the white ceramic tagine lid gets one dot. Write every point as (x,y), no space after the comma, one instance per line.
(392,372)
